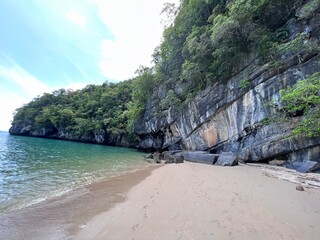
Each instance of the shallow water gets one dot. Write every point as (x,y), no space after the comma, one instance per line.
(35,169)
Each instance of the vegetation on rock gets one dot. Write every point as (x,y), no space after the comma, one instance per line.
(304,99)
(81,113)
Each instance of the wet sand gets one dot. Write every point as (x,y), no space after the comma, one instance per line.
(195,201)
(62,217)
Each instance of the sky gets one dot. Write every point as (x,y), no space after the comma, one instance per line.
(46,45)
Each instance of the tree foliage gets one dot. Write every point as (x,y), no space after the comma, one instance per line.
(304,98)
(210,40)
(82,113)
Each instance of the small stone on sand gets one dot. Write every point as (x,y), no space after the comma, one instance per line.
(299,188)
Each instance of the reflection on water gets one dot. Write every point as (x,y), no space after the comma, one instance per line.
(33,169)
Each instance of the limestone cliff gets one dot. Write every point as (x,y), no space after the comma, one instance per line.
(231,117)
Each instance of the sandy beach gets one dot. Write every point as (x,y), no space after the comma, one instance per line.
(195,201)
(174,201)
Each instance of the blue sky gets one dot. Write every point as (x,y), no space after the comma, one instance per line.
(51,44)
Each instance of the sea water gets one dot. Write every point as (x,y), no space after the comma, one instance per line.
(36,169)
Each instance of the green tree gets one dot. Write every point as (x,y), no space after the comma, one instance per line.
(304,98)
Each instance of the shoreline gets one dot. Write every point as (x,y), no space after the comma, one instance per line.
(62,216)
(63,193)
(198,201)
(174,201)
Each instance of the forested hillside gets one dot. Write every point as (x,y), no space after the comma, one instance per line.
(93,114)
(205,44)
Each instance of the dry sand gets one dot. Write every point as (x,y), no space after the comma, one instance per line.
(195,201)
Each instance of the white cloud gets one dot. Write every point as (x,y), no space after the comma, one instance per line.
(9,102)
(76,18)
(13,74)
(30,85)
(136,26)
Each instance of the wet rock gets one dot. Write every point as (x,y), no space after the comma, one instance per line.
(227,159)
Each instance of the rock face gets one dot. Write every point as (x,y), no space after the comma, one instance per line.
(229,118)
(101,137)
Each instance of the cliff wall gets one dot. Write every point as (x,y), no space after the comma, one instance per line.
(242,119)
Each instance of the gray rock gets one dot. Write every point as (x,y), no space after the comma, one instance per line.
(299,188)
(100,137)
(173,157)
(179,159)
(200,157)
(149,156)
(227,159)
(278,162)
(304,167)
(167,154)
(157,157)
(169,159)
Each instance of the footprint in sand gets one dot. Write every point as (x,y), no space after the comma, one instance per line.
(134,227)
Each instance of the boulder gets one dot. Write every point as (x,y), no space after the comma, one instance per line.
(149,156)
(227,159)
(199,157)
(173,157)
(179,159)
(167,154)
(169,159)
(157,157)
(304,167)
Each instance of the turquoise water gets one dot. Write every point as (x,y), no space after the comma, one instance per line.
(34,169)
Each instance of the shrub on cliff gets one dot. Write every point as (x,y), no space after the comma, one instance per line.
(304,98)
